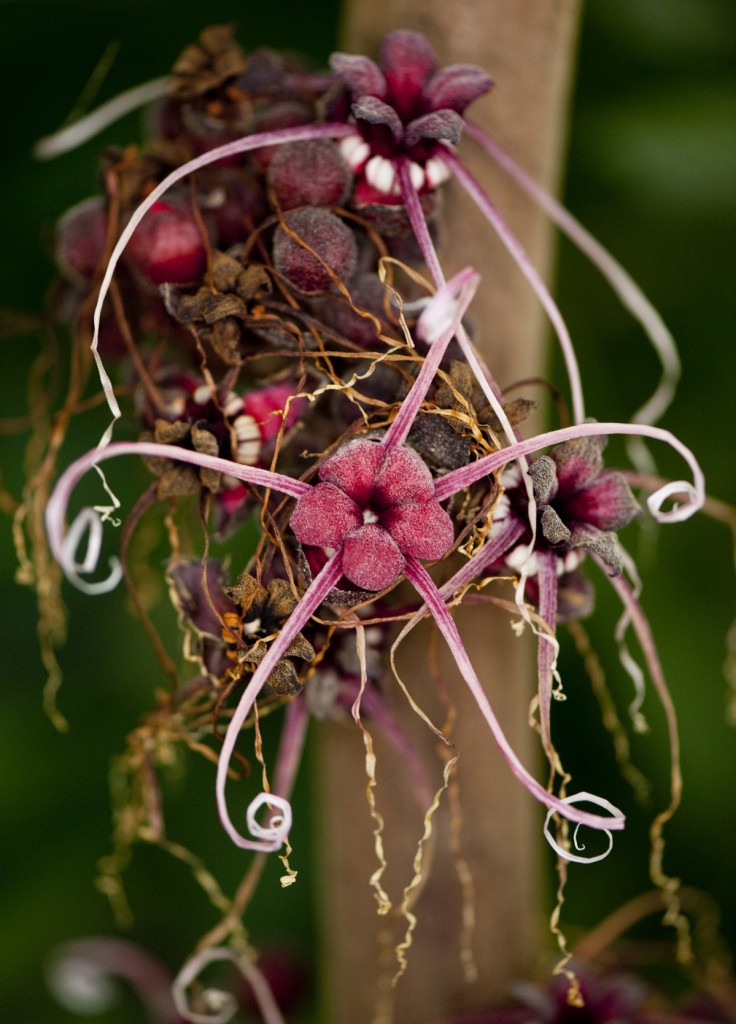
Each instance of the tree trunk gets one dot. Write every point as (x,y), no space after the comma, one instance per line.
(527,45)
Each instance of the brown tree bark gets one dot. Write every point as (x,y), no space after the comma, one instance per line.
(527,45)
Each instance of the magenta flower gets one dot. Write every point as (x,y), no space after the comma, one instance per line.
(376,505)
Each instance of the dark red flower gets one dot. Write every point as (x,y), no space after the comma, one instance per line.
(404,107)
(580,505)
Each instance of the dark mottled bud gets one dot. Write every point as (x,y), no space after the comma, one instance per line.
(331,241)
(310,173)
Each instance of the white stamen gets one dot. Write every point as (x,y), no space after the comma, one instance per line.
(248,452)
(355,150)
(246,428)
(521,561)
(569,563)
(213,199)
(379,172)
(416,173)
(176,406)
(436,172)
(502,509)
(202,395)
(233,404)
(369,516)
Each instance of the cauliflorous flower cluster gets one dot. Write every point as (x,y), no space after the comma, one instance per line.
(250,306)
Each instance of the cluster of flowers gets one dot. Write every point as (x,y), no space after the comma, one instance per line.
(247,267)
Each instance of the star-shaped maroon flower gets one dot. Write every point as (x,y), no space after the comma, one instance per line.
(580,504)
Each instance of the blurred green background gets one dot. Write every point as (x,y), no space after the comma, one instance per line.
(652,172)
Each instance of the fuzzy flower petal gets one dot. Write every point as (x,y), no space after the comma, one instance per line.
(324,515)
(606,503)
(456,86)
(438,124)
(376,112)
(354,468)
(403,477)
(599,543)
(360,74)
(578,462)
(421,530)
(371,558)
(544,478)
(407,62)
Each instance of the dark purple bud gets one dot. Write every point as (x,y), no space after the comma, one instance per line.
(310,173)
(331,241)
(203,608)
(234,206)
(367,292)
(288,114)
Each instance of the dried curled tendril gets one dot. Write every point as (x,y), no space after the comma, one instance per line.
(564,851)
(221,1005)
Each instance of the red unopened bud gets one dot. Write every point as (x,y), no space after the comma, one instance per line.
(266,405)
(80,239)
(167,245)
